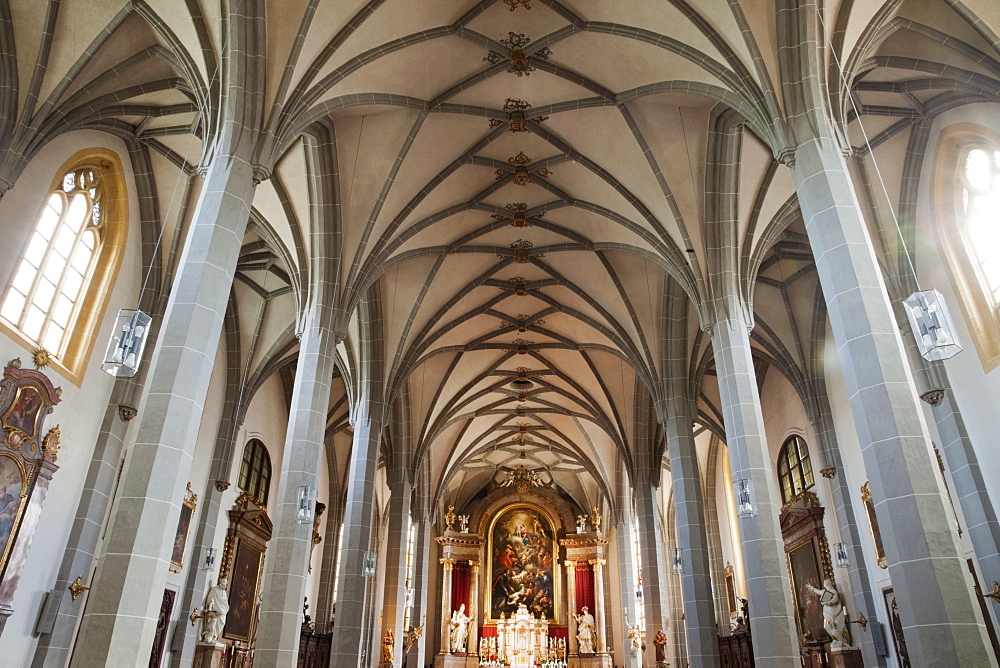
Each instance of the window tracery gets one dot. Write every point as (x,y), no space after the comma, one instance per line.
(795,472)
(255,471)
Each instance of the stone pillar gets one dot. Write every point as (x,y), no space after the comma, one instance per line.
(626,587)
(768,589)
(123,607)
(653,577)
(421,590)
(447,564)
(695,580)
(600,614)
(287,560)
(571,606)
(348,630)
(394,596)
(54,648)
(932,586)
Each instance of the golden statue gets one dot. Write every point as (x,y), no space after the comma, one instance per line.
(387,646)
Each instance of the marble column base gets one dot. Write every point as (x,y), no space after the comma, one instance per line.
(208,655)
(846,658)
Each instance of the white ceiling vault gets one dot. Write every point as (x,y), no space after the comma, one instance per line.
(524,188)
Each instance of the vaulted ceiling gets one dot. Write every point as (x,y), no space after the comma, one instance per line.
(522,185)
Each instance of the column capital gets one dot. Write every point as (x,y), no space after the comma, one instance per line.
(569,564)
(597,563)
(447,561)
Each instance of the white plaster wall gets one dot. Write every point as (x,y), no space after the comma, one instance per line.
(976,391)
(80,412)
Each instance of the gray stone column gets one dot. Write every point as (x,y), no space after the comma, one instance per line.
(288,551)
(421,591)
(775,640)
(348,631)
(626,587)
(54,648)
(123,607)
(689,511)
(932,585)
(969,487)
(328,567)
(654,580)
(394,592)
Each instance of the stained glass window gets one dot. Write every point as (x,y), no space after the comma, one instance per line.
(255,473)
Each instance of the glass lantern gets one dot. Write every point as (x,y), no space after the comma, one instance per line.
(127,342)
(932,325)
(306,504)
(678,560)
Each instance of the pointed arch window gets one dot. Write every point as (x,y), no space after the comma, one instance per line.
(56,295)
(255,472)
(794,468)
(980,207)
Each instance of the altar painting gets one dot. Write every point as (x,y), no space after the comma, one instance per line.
(522,565)
(12,497)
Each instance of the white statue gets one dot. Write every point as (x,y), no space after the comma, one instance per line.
(585,631)
(214,613)
(834,614)
(459,629)
(463,523)
(581,524)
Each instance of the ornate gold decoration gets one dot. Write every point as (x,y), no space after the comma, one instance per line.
(595,518)
(447,561)
(41,358)
(522,176)
(518,62)
(412,636)
(127,413)
(190,498)
(933,396)
(995,594)
(520,285)
(77,588)
(450,517)
(514,4)
(516,117)
(50,444)
(522,479)
(15,363)
(861,621)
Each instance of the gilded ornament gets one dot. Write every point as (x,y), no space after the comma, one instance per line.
(41,358)
(50,444)
(518,61)
(77,588)
(514,4)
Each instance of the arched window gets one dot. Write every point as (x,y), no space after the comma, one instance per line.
(966,203)
(56,295)
(255,473)
(980,206)
(794,469)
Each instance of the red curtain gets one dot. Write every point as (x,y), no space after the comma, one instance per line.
(584,587)
(461,578)
(488,632)
(559,632)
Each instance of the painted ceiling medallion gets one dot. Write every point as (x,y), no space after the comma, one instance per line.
(520,285)
(521,479)
(521,175)
(514,4)
(518,62)
(519,219)
(522,250)
(516,118)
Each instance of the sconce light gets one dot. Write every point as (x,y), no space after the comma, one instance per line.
(840,555)
(678,563)
(932,325)
(307,504)
(743,492)
(208,560)
(127,341)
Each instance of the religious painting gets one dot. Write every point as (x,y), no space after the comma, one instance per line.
(805,570)
(23,412)
(896,625)
(12,498)
(734,608)
(244,580)
(866,498)
(162,626)
(183,527)
(523,563)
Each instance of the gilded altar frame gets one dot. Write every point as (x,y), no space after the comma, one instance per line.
(183,529)
(552,542)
